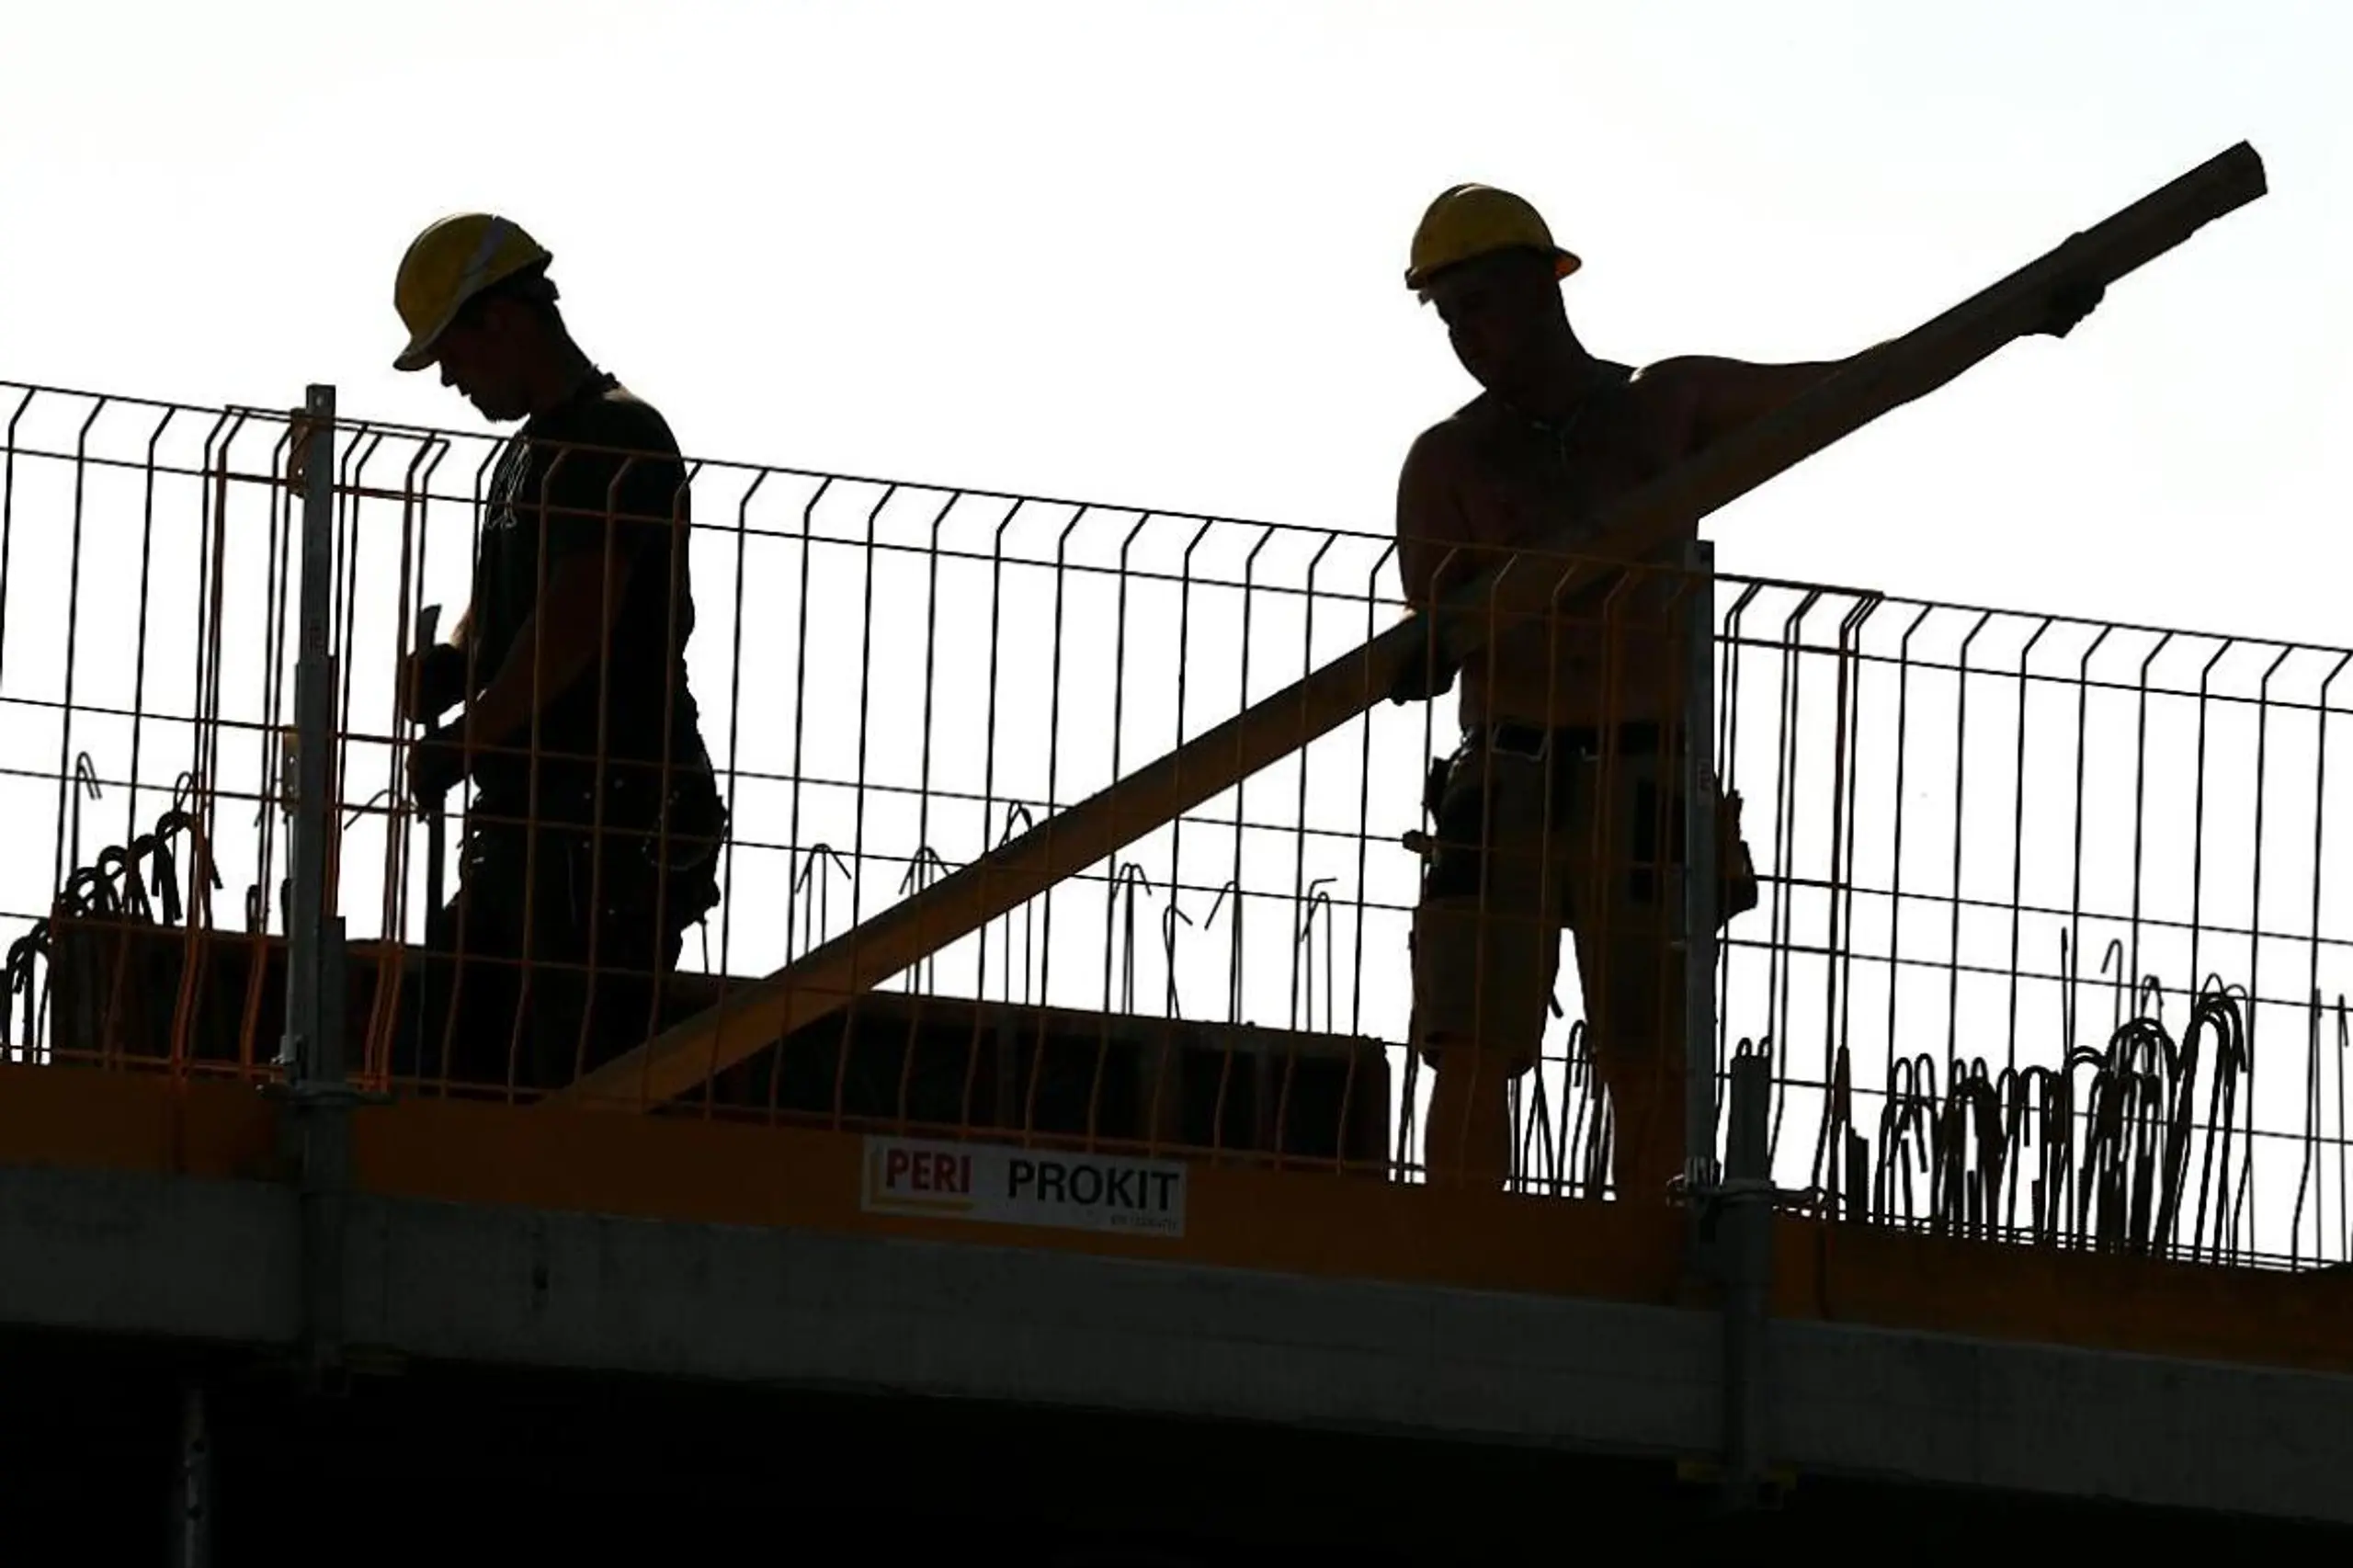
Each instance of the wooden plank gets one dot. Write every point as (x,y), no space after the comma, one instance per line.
(1633,527)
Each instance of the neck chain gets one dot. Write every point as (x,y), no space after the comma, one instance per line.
(1560,432)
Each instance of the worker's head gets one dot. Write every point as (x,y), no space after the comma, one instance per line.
(475,295)
(1486,261)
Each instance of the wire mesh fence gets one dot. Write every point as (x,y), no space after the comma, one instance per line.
(2044,895)
(2038,896)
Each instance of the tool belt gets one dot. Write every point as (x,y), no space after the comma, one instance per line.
(1736,882)
(673,834)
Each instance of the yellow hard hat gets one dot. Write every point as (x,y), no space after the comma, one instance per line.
(453,260)
(1470,220)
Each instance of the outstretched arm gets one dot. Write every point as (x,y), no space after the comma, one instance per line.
(1719,396)
(1722,395)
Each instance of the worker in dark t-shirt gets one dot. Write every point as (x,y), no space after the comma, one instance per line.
(592,842)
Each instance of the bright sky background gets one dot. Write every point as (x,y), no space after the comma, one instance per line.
(1150,254)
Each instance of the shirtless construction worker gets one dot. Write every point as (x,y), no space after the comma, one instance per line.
(593,835)
(1561,807)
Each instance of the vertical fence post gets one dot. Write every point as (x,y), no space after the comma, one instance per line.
(317,1122)
(310,1051)
(192,1482)
(1746,1240)
(1699,881)
(1731,1201)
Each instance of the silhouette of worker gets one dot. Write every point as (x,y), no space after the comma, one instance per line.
(591,844)
(1563,807)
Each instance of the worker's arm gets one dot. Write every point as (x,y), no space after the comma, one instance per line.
(603,513)
(434,680)
(559,644)
(604,518)
(1431,557)
(1721,395)
(1424,511)
(1718,396)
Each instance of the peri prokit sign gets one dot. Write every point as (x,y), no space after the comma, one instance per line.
(992,1183)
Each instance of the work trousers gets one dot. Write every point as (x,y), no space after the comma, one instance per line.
(550,958)
(1574,830)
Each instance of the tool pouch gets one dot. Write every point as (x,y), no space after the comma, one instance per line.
(1736,890)
(1516,817)
(1512,816)
(1441,769)
(1485,951)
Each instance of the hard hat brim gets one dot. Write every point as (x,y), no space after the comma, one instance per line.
(425,345)
(1418,278)
(424,348)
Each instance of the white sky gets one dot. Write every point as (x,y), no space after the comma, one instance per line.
(1151,255)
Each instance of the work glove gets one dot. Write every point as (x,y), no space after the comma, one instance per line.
(437,765)
(2070,303)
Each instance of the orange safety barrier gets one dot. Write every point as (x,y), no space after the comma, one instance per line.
(1243,1218)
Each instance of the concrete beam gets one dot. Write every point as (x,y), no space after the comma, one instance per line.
(1002,1323)
(144,1256)
(215,1261)
(2028,1418)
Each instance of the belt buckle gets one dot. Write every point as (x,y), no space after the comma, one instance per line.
(1499,739)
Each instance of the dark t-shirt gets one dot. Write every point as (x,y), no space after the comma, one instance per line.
(604,464)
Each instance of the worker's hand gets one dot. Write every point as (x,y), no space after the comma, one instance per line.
(1417,682)
(1427,673)
(2070,303)
(437,765)
(433,681)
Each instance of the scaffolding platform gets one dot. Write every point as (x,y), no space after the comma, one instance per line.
(892,1058)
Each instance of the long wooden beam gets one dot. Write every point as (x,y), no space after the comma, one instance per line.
(1633,527)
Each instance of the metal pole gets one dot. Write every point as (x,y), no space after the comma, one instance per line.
(317,1125)
(1747,1218)
(436,851)
(308,1051)
(192,1486)
(1732,1202)
(1699,883)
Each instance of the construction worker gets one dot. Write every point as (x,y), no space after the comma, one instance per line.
(1563,806)
(592,840)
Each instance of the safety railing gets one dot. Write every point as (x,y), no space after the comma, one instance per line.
(2036,895)
(2044,895)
